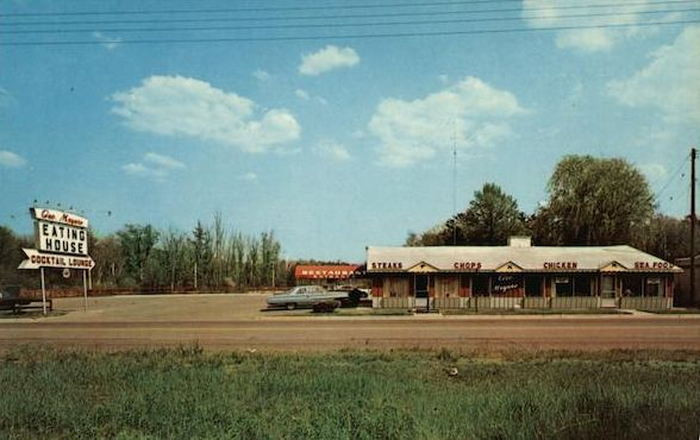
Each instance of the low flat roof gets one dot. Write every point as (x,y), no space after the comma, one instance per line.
(513,259)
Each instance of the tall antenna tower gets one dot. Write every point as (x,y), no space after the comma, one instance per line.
(454,182)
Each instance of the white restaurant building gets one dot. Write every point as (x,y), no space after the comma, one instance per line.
(519,276)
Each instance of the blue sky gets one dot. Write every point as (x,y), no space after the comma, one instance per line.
(334,143)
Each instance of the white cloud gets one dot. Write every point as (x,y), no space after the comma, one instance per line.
(306,96)
(543,14)
(670,82)
(588,40)
(331,149)
(11,160)
(153,165)
(188,107)
(302,94)
(653,171)
(141,170)
(248,177)
(470,113)
(327,59)
(163,161)
(107,42)
(261,75)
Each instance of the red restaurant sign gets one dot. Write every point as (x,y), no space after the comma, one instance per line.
(338,272)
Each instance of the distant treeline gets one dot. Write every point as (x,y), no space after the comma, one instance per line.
(141,256)
(591,201)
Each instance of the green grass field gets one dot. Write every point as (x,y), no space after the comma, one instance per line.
(188,394)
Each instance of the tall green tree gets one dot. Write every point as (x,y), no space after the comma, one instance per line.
(11,256)
(109,261)
(176,255)
(137,243)
(202,253)
(491,217)
(594,201)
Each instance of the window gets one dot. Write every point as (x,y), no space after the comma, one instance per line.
(654,287)
(533,285)
(562,286)
(632,285)
(582,285)
(481,285)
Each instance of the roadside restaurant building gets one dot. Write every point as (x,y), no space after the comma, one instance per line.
(518,276)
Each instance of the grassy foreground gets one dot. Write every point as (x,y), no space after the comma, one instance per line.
(185,393)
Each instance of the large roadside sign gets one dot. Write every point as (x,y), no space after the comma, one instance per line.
(61,240)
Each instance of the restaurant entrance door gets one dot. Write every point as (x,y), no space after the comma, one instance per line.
(421,290)
(607,291)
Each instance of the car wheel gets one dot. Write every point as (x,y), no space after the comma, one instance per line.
(291,306)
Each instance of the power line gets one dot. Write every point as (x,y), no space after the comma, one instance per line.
(316,25)
(347,16)
(277,9)
(348,36)
(673,177)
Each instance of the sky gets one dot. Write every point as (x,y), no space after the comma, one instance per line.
(327,125)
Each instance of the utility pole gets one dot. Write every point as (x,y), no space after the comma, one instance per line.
(693,154)
(454,189)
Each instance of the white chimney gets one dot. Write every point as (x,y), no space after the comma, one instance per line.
(519,241)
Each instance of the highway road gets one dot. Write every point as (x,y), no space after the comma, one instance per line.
(314,333)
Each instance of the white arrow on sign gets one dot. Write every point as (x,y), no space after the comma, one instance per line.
(36,260)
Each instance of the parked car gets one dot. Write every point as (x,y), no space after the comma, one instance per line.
(304,296)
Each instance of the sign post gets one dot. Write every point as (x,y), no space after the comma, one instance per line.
(85,288)
(43,291)
(61,240)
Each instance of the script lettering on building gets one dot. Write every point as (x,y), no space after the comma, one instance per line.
(506,283)
(467,265)
(386,265)
(560,265)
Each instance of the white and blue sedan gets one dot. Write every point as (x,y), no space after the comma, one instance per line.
(304,296)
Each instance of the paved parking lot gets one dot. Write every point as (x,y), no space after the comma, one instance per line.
(236,322)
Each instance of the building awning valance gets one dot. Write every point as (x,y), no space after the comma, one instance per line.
(515,259)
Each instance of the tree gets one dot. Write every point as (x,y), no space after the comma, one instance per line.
(175,257)
(594,201)
(109,264)
(666,237)
(137,242)
(492,217)
(202,253)
(435,236)
(11,256)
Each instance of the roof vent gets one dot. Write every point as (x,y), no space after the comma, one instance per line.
(519,241)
